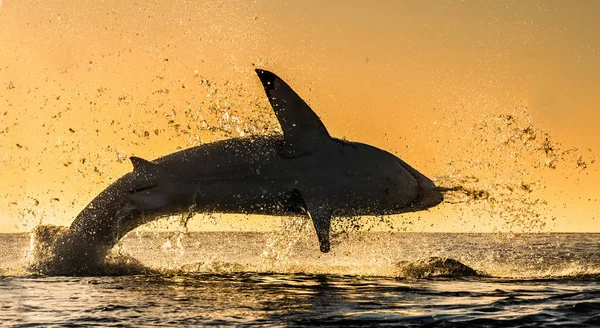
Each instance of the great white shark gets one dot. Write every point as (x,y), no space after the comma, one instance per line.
(304,171)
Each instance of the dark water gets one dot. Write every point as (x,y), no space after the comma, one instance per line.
(275,279)
(296,299)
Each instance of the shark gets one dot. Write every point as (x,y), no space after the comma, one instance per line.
(303,171)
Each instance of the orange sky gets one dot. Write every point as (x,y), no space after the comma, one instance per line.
(83,86)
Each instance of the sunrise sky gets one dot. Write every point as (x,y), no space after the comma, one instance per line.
(498,96)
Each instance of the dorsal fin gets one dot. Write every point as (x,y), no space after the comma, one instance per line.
(145,167)
(302,128)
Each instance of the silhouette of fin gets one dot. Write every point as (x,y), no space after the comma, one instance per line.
(144,167)
(303,131)
(320,214)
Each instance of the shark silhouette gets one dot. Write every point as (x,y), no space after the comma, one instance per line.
(302,172)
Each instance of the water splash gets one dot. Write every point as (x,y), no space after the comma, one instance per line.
(292,251)
(506,176)
(281,243)
(41,243)
(40,259)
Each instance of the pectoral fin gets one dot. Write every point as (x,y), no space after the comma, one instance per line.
(322,221)
(320,215)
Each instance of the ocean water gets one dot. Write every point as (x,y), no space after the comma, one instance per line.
(280,279)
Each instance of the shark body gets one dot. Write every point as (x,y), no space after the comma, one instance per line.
(302,172)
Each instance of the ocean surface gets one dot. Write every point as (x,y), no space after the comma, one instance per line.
(280,279)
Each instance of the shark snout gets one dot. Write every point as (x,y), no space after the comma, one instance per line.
(433,197)
(429,194)
(426,198)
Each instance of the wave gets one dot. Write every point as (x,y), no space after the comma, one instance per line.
(436,267)
(431,268)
